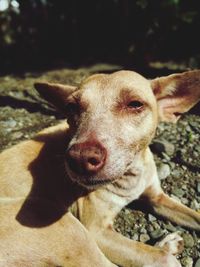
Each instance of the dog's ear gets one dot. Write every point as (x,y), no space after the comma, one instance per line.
(55,93)
(176,94)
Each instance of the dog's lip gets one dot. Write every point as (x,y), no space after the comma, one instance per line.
(86,181)
(95,182)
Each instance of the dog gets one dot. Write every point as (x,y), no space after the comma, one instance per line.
(61,191)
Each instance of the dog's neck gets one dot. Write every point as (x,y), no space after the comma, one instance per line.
(135,180)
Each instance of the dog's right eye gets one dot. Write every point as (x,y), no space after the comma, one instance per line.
(135,105)
(72,108)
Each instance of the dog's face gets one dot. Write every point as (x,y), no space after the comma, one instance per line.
(112,118)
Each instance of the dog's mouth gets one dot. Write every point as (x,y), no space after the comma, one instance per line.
(89,182)
(93,182)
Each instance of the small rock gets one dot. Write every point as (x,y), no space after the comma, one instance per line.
(176,173)
(184,168)
(166,158)
(135,237)
(187,262)
(184,187)
(157,233)
(144,238)
(172,165)
(198,187)
(195,205)
(155,225)
(150,228)
(163,171)
(188,240)
(178,192)
(185,201)
(10,123)
(194,124)
(197,264)
(159,146)
(143,230)
(175,198)
(127,212)
(170,227)
(17,135)
(197,149)
(188,129)
(151,218)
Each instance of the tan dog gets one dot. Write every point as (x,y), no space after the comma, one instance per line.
(61,191)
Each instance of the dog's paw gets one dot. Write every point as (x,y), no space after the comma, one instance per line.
(171,261)
(173,243)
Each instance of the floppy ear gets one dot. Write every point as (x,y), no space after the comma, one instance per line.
(55,93)
(176,94)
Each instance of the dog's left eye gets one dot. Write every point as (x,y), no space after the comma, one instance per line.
(135,105)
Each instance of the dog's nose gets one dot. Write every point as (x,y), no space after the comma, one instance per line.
(86,158)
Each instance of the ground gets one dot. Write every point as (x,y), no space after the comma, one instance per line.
(176,149)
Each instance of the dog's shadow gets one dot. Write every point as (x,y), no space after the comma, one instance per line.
(52,191)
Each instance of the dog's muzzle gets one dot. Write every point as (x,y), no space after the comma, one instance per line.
(86,159)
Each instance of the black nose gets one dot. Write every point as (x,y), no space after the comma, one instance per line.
(86,158)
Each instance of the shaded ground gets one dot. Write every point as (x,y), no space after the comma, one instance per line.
(176,149)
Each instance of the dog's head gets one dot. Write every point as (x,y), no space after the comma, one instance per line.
(113,117)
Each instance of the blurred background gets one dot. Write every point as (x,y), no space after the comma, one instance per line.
(141,34)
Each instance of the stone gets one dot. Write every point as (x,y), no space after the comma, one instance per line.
(198,187)
(144,238)
(170,227)
(135,237)
(151,218)
(187,262)
(10,123)
(163,171)
(197,264)
(175,198)
(143,230)
(157,233)
(185,201)
(176,173)
(188,240)
(195,205)
(178,192)
(163,146)
(17,135)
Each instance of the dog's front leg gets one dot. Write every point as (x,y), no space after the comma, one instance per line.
(171,209)
(97,214)
(129,253)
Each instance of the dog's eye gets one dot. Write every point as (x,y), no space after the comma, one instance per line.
(72,108)
(135,105)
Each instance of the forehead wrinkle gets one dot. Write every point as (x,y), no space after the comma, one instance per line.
(136,88)
(103,90)
(131,94)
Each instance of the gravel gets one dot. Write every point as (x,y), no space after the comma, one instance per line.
(179,173)
(197,264)
(176,149)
